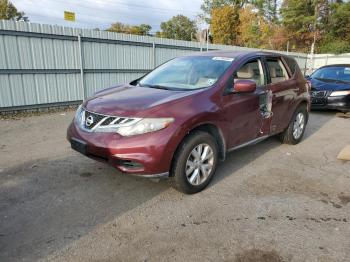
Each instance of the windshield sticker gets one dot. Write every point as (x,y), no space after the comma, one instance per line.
(211,81)
(347,70)
(227,59)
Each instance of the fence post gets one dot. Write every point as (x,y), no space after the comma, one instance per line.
(154,54)
(327,59)
(81,58)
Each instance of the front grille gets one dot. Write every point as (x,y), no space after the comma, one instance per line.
(318,94)
(108,121)
(102,123)
(92,119)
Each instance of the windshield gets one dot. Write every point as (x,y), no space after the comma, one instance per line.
(336,73)
(187,73)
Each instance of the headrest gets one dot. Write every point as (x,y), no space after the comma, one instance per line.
(245,72)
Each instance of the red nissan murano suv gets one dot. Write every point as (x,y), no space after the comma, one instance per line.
(180,119)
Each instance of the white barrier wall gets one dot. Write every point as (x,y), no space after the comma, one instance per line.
(327,59)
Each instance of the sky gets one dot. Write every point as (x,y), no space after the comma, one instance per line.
(101,13)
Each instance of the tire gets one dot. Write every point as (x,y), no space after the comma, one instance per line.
(184,156)
(288,136)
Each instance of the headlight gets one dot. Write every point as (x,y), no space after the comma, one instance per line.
(78,114)
(340,93)
(145,125)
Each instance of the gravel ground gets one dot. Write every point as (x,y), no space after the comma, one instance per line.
(268,202)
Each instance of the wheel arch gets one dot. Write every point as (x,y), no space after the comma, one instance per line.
(216,133)
(213,130)
(303,102)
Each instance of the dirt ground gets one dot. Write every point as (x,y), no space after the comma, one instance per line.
(268,202)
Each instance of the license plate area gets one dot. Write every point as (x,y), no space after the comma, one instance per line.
(78,145)
(318,101)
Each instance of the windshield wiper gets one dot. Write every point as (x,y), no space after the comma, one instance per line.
(154,86)
(160,87)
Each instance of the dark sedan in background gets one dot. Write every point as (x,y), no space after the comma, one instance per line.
(330,87)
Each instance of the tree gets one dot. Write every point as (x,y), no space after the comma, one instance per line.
(339,21)
(225,25)
(257,32)
(274,24)
(119,27)
(9,12)
(251,27)
(144,29)
(279,38)
(267,9)
(298,18)
(336,35)
(209,5)
(178,27)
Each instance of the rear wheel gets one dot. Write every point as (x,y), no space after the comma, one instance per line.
(296,128)
(195,162)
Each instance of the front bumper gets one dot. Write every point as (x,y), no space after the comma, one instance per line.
(331,102)
(147,155)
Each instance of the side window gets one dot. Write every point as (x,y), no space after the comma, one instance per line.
(278,72)
(252,70)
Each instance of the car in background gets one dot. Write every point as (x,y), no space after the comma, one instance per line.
(180,119)
(330,87)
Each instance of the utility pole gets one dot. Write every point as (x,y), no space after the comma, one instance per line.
(312,51)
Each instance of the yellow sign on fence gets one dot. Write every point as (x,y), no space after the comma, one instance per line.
(69,16)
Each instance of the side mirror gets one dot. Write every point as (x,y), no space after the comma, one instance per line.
(244,86)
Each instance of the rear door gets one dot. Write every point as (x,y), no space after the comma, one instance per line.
(283,88)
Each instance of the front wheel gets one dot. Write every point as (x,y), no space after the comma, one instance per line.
(296,128)
(195,162)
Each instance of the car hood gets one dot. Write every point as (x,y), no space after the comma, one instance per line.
(320,85)
(128,100)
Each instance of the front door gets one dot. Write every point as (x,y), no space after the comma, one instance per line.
(246,113)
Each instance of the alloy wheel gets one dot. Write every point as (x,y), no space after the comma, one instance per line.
(299,124)
(199,164)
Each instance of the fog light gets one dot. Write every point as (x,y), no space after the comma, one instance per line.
(129,164)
